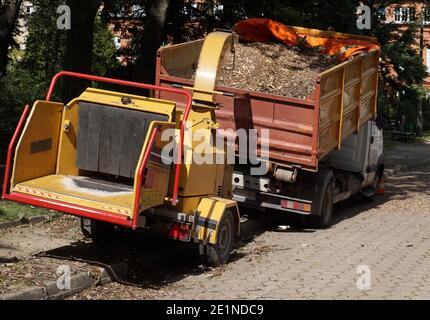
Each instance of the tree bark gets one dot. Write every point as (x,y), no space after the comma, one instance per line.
(210,15)
(9,11)
(144,69)
(419,126)
(79,45)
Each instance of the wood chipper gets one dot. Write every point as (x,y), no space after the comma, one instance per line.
(100,157)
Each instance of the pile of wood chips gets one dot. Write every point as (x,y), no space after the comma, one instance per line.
(274,68)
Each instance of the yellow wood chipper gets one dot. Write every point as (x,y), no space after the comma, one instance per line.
(100,157)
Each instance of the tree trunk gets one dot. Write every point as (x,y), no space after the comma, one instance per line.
(144,69)
(9,11)
(419,126)
(79,45)
(210,16)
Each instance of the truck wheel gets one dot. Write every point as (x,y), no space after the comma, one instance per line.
(323,220)
(219,253)
(96,230)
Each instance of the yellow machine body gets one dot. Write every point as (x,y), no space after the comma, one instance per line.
(47,163)
(45,154)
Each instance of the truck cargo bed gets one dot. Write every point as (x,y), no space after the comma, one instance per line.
(302,131)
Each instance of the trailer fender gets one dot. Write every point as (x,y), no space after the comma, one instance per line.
(209,213)
(323,179)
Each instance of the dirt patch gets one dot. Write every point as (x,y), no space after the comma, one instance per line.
(274,68)
(22,242)
(35,271)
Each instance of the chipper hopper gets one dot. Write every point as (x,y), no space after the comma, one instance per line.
(100,157)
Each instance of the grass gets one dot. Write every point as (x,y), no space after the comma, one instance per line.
(10,211)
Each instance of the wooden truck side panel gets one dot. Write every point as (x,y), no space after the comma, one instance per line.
(302,131)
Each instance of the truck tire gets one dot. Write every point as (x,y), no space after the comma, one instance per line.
(219,254)
(324,219)
(98,231)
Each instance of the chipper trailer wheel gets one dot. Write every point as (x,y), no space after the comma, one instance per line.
(219,254)
(96,230)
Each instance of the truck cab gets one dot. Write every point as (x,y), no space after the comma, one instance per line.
(361,153)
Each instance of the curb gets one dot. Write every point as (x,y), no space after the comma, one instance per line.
(50,291)
(399,169)
(395,171)
(108,274)
(28,221)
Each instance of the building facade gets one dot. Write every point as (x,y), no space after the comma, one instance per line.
(407,13)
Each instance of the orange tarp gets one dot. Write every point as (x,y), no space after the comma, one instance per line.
(332,43)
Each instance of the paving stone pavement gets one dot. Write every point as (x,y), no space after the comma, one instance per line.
(390,238)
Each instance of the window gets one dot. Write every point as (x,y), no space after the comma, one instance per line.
(404,14)
(428,59)
(426,14)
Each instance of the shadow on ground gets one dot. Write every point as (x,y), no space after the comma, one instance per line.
(401,187)
(156,262)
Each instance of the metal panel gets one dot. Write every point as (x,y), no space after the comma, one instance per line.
(181,60)
(34,156)
(110,139)
(352,154)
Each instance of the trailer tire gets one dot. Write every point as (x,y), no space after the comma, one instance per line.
(98,231)
(324,219)
(219,254)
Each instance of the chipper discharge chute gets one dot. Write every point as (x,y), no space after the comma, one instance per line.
(102,157)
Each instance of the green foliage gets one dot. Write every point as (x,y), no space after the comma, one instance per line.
(28,80)
(45,44)
(10,211)
(336,15)
(404,59)
(44,55)
(426,113)
(407,102)
(17,89)
(104,52)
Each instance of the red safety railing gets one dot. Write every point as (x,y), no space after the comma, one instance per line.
(85,211)
(11,148)
(142,86)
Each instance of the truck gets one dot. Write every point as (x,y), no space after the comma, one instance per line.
(323,149)
(101,156)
